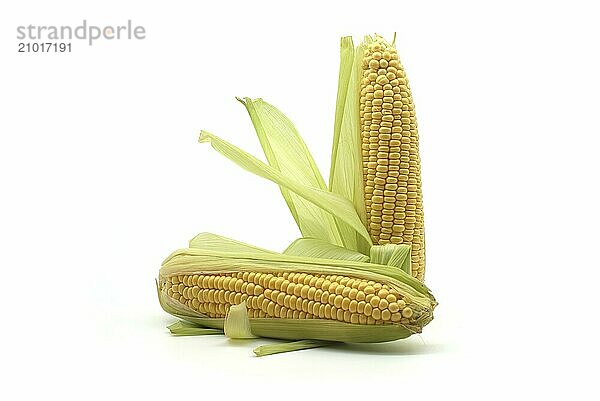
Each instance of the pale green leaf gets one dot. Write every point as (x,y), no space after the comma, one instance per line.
(327,201)
(346,62)
(346,173)
(286,152)
(192,260)
(271,349)
(210,241)
(397,255)
(182,328)
(237,323)
(316,248)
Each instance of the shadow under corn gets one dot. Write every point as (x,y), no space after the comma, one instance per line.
(394,348)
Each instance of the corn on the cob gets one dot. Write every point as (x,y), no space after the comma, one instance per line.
(294,297)
(291,295)
(390,153)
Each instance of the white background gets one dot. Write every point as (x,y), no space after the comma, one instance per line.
(101,178)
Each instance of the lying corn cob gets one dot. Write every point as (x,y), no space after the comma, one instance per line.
(390,153)
(295,298)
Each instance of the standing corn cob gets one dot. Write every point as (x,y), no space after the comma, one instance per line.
(390,153)
(291,292)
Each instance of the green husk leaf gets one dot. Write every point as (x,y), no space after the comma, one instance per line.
(271,349)
(397,255)
(315,329)
(316,248)
(328,201)
(191,259)
(210,241)
(346,61)
(346,174)
(237,323)
(183,328)
(286,152)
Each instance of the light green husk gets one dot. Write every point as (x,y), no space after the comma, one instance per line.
(183,328)
(265,350)
(392,255)
(315,248)
(329,202)
(237,324)
(286,152)
(346,176)
(214,242)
